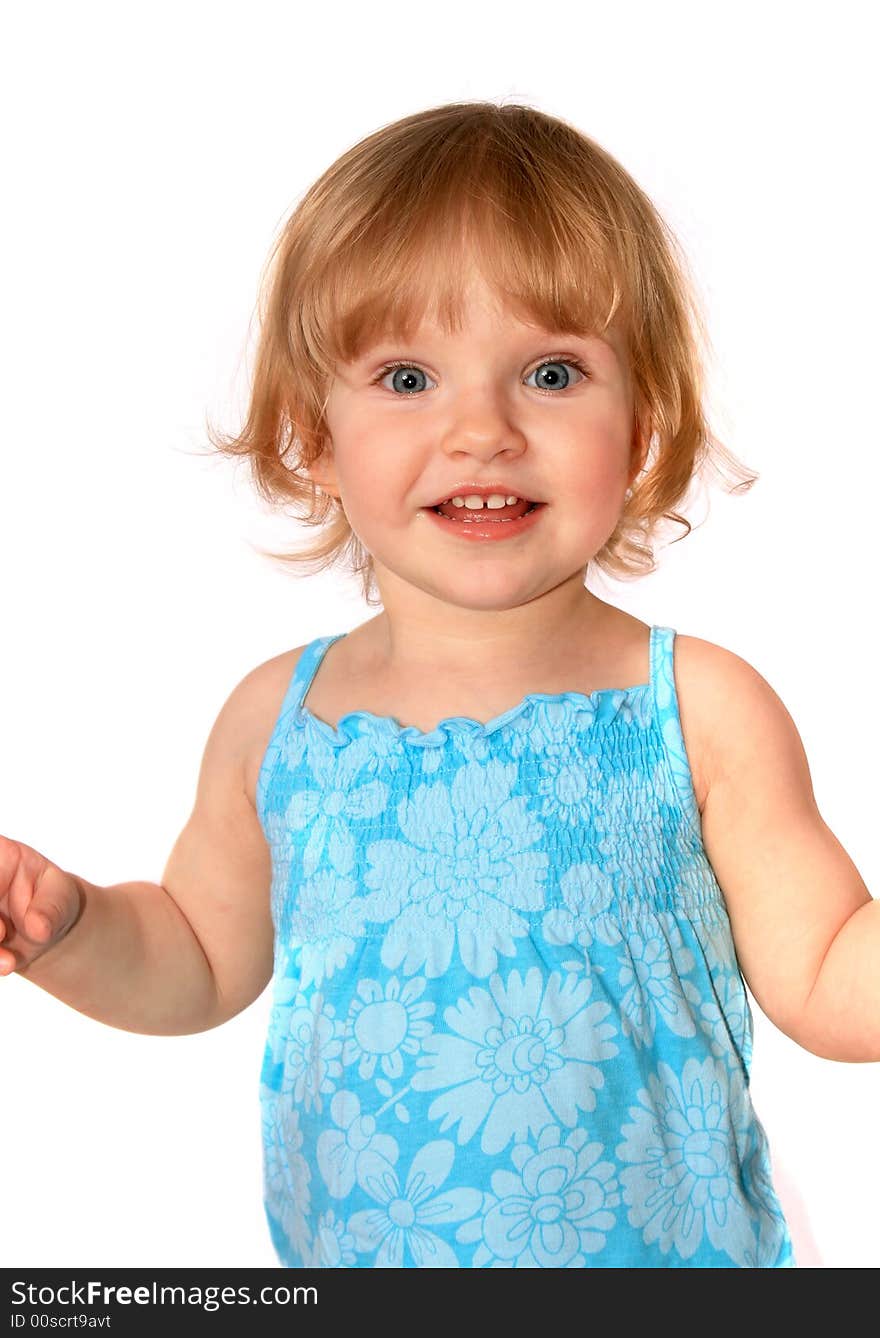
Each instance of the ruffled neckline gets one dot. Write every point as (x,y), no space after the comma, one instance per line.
(354,724)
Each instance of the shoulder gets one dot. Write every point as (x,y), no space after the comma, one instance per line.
(730,711)
(775,859)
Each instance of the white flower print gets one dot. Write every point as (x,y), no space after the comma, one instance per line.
(684,1149)
(277,834)
(726,1018)
(381,753)
(507,1022)
(284,995)
(553,1212)
(385,1023)
(280,844)
(519,1058)
(724,989)
(312,1047)
(562,728)
(567,779)
(404,1219)
(432,760)
(286,1174)
(639,708)
(772,1234)
(339,1149)
(472,745)
(327,919)
(651,970)
(292,745)
(327,811)
(633,840)
(333,1246)
(462,874)
(588,895)
(523,733)
(473,742)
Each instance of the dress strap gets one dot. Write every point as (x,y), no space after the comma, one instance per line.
(306,667)
(300,680)
(669,722)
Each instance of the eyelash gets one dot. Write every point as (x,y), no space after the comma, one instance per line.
(565,361)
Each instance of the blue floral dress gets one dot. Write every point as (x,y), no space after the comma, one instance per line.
(508,1027)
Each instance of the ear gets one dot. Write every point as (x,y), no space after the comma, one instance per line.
(323,472)
(641,438)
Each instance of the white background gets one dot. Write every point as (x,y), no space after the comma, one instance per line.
(151,153)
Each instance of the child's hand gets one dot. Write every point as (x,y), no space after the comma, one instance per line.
(39,904)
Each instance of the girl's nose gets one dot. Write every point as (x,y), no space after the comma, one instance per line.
(482,421)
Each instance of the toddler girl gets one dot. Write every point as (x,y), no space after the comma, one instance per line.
(506,853)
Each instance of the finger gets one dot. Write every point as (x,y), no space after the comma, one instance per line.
(55,906)
(40,922)
(34,912)
(8,860)
(20,889)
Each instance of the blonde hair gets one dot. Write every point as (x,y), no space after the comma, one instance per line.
(562,233)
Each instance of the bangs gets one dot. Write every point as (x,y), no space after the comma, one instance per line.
(405,257)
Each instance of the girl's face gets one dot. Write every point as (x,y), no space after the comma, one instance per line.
(500,402)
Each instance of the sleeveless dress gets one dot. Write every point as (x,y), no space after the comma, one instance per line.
(508,1028)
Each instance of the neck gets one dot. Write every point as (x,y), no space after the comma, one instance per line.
(463,644)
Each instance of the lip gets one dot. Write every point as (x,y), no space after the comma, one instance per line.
(481,490)
(487,531)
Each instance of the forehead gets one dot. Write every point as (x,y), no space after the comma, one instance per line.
(479,306)
(481,312)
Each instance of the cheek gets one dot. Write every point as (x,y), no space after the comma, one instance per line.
(371,500)
(598,481)
(377,477)
(594,455)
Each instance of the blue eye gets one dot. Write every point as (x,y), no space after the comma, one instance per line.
(407,383)
(408,373)
(552,366)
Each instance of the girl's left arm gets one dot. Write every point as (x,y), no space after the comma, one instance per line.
(806,929)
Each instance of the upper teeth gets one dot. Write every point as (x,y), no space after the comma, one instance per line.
(475,502)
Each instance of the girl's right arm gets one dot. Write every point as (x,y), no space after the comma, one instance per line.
(164,959)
